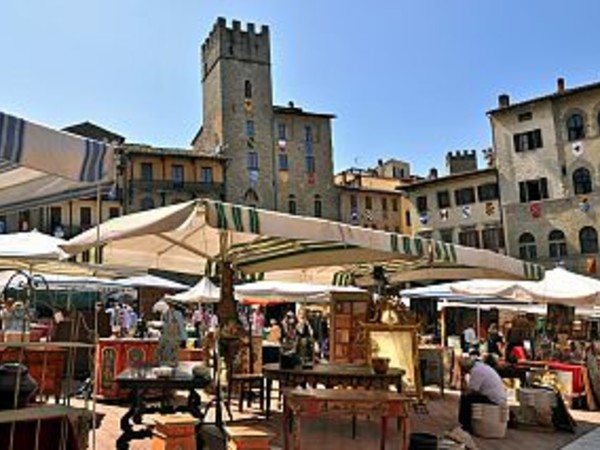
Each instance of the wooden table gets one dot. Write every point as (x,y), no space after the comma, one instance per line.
(331,375)
(341,402)
(138,382)
(46,364)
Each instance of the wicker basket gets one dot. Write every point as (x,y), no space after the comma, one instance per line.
(489,421)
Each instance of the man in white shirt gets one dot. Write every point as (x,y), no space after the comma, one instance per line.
(484,386)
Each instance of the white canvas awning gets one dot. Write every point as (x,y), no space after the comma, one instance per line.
(151,281)
(39,162)
(187,236)
(294,292)
(31,245)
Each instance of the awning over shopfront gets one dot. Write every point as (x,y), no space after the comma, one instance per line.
(38,162)
(184,237)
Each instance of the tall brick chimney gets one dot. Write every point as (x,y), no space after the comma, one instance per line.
(560,85)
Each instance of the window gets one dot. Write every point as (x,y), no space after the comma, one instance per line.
(55,218)
(247,89)
(318,206)
(3,229)
(384,204)
(206,175)
(24,220)
(464,196)
(575,127)
(177,176)
(524,117)
(407,219)
(443,199)
(292,204)
(527,247)
(308,133)
(353,202)
(492,238)
(582,181)
(395,204)
(488,191)
(469,237)
(283,161)
(85,217)
(557,244)
(588,240)
(310,164)
(446,234)
(368,202)
(252,161)
(281,131)
(250,128)
(146,203)
(147,172)
(530,140)
(422,203)
(113,212)
(533,190)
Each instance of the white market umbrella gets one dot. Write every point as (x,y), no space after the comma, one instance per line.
(203,292)
(563,287)
(187,236)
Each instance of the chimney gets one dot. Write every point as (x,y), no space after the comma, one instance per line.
(433,174)
(560,85)
(503,101)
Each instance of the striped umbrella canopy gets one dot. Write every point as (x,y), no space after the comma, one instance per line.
(186,237)
(37,161)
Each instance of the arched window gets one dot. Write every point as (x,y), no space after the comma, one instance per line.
(147,203)
(527,247)
(318,206)
(588,240)
(557,245)
(247,89)
(575,127)
(582,181)
(292,204)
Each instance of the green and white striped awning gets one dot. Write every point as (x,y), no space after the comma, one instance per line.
(188,236)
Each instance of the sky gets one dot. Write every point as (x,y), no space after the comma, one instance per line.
(406,79)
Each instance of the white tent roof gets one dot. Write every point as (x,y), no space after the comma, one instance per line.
(283,291)
(151,281)
(558,286)
(36,161)
(184,237)
(31,245)
(203,292)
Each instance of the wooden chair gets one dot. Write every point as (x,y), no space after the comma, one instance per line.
(248,378)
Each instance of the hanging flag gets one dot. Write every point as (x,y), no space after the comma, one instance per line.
(466,211)
(311,178)
(490,208)
(577,148)
(443,214)
(584,205)
(535,209)
(424,218)
(248,105)
(281,145)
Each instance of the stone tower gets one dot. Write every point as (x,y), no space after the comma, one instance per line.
(238,110)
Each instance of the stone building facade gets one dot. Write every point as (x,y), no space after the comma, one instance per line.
(547,151)
(278,157)
(462,207)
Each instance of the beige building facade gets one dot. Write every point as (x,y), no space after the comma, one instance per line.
(547,152)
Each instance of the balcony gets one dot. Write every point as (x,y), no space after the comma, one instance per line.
(195,188)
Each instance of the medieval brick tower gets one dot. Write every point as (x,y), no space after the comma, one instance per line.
(238,110)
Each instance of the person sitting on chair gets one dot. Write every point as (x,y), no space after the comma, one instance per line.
(484,386)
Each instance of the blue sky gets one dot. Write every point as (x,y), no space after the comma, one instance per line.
(406,79)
